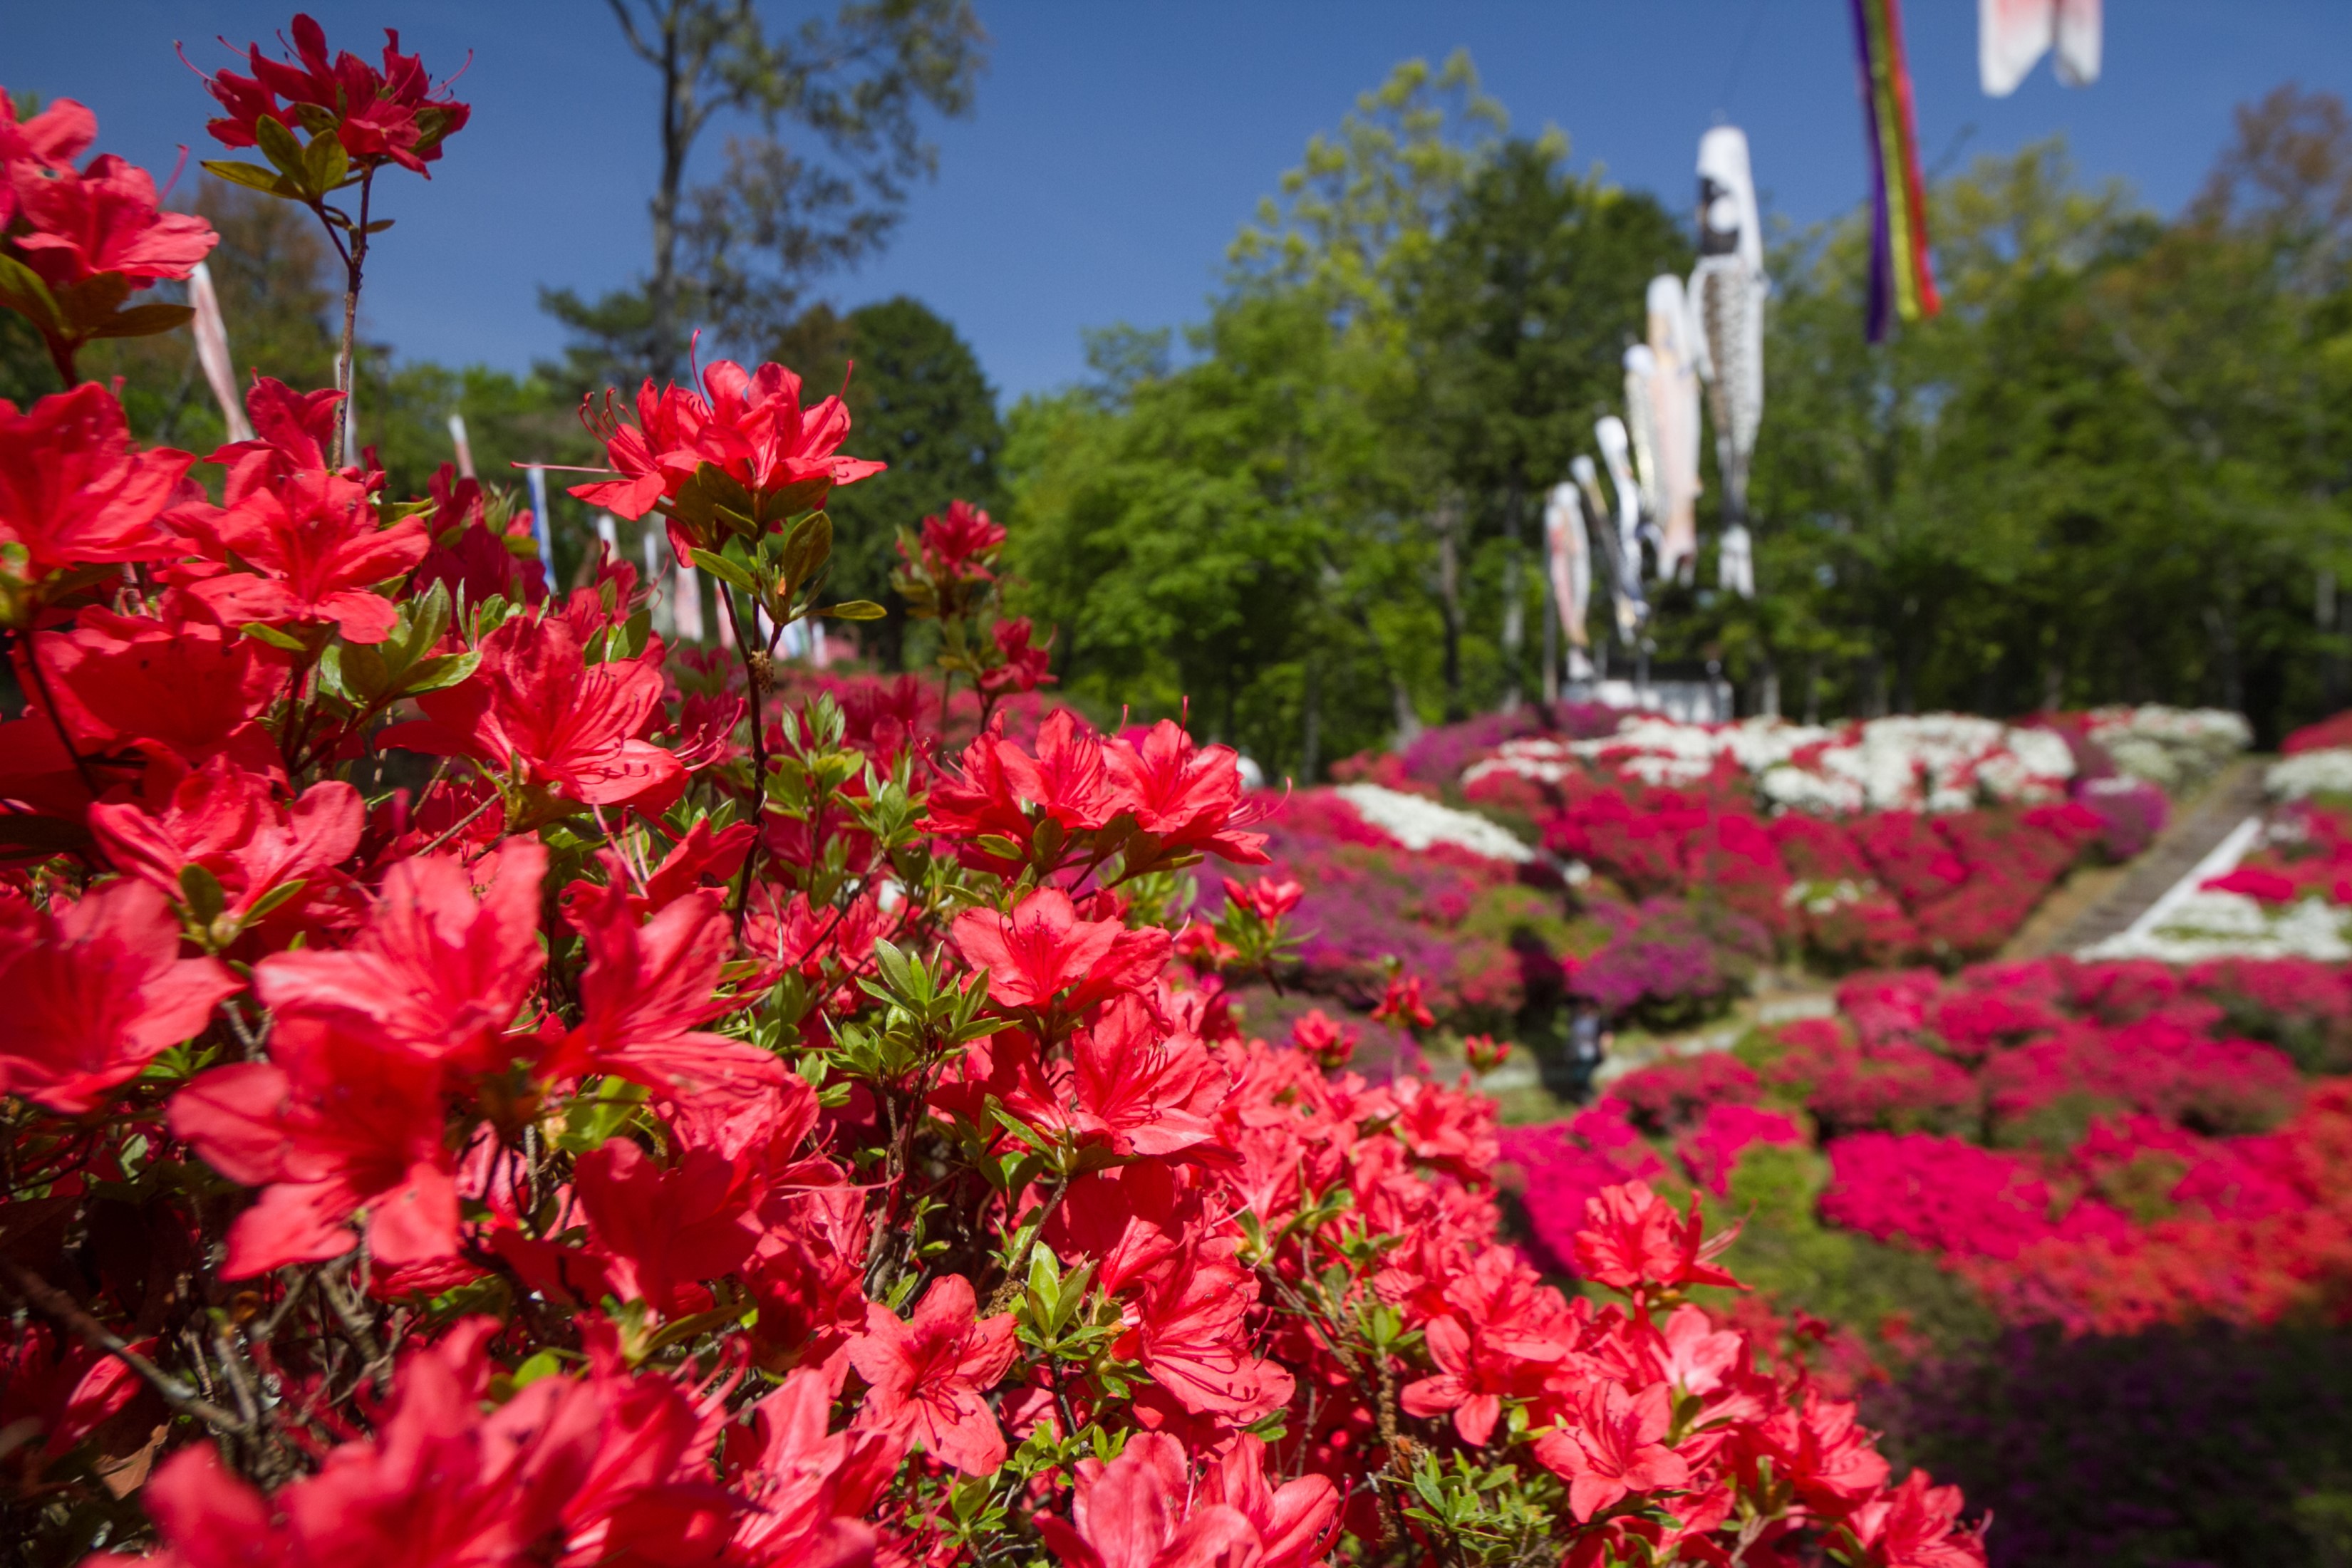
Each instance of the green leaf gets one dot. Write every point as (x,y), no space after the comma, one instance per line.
(546,1363)
(725,571)
(274,897)
(278,144)
(252,176)
(201,892)
(362,673)
(93,299)
(854,610)
(144,320)
(271,635)
(439,672)
(22,290)
(807,546)
(325,163)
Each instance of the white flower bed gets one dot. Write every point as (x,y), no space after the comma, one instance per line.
(1935,762)
(1417,823)
(2326,772)
(2213,924)
(2170,748)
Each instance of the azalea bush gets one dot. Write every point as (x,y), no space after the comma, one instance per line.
(485,1087)
(2102,1146)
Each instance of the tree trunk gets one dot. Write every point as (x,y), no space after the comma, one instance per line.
(1515,609)
(1310,740)
(1449,603)
(661,290)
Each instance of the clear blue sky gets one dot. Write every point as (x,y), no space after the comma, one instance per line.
(1117,145)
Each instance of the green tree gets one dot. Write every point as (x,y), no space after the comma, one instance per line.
(2112,470)
(1305,529)
(1181,530)
(1518,315)
(736,253)
(919,401)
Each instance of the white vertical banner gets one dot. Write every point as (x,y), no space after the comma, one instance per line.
(1674,424)
(1568,562)
(2013,34)
(541,527)
(212,352)
(687,611)
(466,452)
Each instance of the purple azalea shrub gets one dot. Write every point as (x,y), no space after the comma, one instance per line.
(2131,812)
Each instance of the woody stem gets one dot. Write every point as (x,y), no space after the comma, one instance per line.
(744,647)
(347,371)
(55,1306)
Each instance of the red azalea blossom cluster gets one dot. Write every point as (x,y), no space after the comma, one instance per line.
(2089,1144)
(395,114)
(681,1125)
(76,244)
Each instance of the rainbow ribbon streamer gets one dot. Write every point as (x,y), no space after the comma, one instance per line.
(1902,273)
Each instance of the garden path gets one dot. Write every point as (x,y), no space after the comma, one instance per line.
(2216,812)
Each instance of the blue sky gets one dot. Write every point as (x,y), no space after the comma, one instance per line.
(1117,145)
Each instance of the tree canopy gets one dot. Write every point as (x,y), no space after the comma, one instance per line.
(2113,470)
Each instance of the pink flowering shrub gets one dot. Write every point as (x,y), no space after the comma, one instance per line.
(2090,1145)
(1884,888)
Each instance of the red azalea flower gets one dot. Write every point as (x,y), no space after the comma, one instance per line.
(1401,1004)
(337,1132)
(1636,1238)
(1317,1033)
(567,1469)
(809,1490)
(389,115)
(96,990)
(749,425)
(1190,1329)
(1916,1525)
(443,966)
(930,1377)
(316,554)
(1187,797)
(51,139)
(663,1230)
(1024,668)
(1132,1513)
(537,706)
(1043,950)
(76,490)
(292,432)
(1143,1090)
(60,1394)
(647,989)
(1296,1521)
(232,823)
(187,686)
(1485,1052)
(954,541)
(1264,897)
(1609,1446)
(104,219)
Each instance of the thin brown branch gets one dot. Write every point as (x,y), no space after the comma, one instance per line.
(59,1307)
